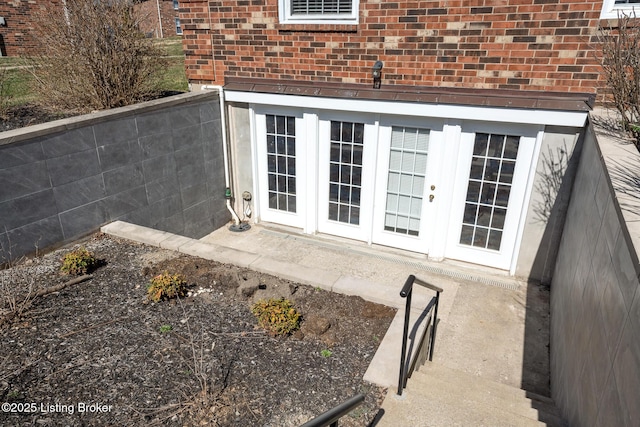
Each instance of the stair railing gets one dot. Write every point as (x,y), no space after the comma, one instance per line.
(331,417)
(425,346)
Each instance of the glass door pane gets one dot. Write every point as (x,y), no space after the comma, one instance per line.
(345,171)
(406,180)
(281,162)
(490,180)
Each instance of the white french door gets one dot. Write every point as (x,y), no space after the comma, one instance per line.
(281,154)
(406,184)
(492,188)
(346,159)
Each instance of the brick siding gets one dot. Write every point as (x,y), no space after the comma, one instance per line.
(148,13)
(511,44)
(16,37)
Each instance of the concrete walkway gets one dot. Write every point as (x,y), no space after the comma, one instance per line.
(493,331)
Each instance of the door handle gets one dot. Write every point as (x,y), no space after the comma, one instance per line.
(431,196)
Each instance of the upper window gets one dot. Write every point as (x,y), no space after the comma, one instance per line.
(318,11)
(612,8)
(178,27)
(175,4)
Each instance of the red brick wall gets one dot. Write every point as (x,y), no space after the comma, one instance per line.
(148,13)
(16,36)
(514,44)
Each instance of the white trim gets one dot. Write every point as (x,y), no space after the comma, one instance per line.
(285,16)
(525,202)
(462,112)
(611,10)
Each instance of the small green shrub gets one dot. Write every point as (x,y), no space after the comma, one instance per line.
(166,286)
(326,353)
(79,261)
(277,316)
(166,328)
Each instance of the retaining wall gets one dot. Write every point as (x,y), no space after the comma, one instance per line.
(157,164)
(595,303)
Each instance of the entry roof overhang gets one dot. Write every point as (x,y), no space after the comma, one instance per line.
(550,108)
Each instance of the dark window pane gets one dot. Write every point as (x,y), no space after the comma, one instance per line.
(334,172)
(291,125)
(498,218)
(272,182)
(291,146)
(291,207)
(357,155)
(280,145)
(333,192)
(345,174)
(495,146)
(291,166)
(480,238)
(506,173)
(473,192)
(511,147)
(273,201)
(469,213)
(357,176)
(480,144)
(282,184)
(484,216)
(488,193)
(271,123)
(282,202)
(491,170)
(271,163)
(344,193)
(466,236)
(334,154)
(291,185)
(347,132)
(502,196)
(346,153)
(271,144)
(355,196)
(495,237)
(333,211)
(282,164)
(355,216)
(358,133)
(335,131)
(280,128)
(343,213)
(477,168)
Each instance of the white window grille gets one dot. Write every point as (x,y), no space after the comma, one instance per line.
(318,11)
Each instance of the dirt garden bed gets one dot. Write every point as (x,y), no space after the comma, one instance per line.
(198,361)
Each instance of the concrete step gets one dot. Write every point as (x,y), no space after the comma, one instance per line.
(440,396)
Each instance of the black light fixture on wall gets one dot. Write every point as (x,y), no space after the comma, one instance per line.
(377,74)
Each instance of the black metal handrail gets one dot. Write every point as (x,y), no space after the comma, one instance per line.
(331,417)
(408,366)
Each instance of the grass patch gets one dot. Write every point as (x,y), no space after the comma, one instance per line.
(18,80)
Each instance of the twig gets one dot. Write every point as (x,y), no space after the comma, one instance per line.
(93,327)
(9,317)
(61,286)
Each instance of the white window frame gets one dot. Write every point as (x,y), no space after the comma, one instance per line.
(286,17)
(611,10)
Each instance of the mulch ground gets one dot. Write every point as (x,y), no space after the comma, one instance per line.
(98,353)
